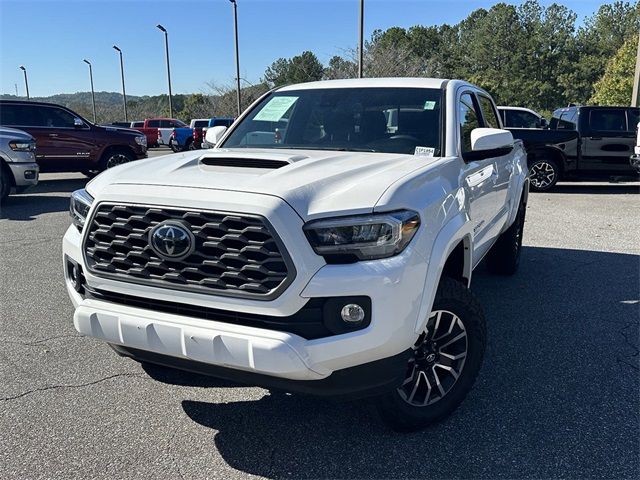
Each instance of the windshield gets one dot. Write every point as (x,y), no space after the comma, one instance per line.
(390,120)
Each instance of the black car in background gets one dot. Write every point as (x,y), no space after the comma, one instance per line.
(581,143)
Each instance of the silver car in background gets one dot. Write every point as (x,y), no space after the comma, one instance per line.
(18,167)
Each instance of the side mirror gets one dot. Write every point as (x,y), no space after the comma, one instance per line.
(78,123)
(488,143)
(214,134)
(543,122)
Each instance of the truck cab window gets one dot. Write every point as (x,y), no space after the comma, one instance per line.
(488,112)
(468,119)
(608,120)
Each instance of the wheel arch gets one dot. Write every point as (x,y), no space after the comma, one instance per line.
(4,166)
(451,256)
(550,152)
(113,148)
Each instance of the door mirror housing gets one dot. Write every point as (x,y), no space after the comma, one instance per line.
(543,122)
(488,143)
(214,134)
(78,123)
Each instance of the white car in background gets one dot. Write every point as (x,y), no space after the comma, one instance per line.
(333,256)
(635,158)
(520,117)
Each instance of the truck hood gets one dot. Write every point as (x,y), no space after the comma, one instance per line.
(314,182)
(14,134)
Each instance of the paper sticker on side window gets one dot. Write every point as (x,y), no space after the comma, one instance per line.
(275,109)
(425,151)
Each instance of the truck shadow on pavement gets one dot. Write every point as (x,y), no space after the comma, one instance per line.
(557,395)
(29,205)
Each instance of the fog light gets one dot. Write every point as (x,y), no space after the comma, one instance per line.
(76,277)
(352,313)
(29,174)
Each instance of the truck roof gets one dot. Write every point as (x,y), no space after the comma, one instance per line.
(397,82)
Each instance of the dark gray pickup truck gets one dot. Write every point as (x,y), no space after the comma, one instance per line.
(581,143)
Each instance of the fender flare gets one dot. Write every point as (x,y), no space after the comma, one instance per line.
(458,229)
(553,150)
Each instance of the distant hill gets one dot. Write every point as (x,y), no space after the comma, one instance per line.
(109,105)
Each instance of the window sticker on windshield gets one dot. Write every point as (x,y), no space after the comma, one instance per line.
(275,109)
(429,105)
(425,151)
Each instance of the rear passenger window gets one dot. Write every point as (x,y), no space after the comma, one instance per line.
(488,112)
(153,123)
(608,120)
(8,115)
(469,119)
(18,115)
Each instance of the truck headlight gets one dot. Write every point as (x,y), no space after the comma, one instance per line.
(79,207)
(22,145)
(362,237)
(141,140)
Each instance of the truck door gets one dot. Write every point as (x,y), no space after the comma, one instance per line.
(66,146)
(479,177)
(502,164)
(608,142)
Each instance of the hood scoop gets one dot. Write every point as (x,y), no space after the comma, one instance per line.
(240,162)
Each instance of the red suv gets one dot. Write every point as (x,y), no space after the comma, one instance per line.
(69,143)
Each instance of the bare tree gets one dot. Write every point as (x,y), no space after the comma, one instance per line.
(223,97)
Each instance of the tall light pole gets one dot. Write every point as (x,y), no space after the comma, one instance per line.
(26,82)
(361,41)
(235,29)
(93,95)
(166,47)
(124,94)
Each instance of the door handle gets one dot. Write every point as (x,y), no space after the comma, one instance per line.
(596,138)
(53,134)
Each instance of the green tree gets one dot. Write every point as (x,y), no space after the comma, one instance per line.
(197,105)
(601,36)
(302,68)
(616,85)
(340,67)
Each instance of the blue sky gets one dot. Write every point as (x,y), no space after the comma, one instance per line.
(51,37)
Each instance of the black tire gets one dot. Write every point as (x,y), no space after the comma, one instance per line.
(115,157)
(5,182)
(190,145)
(399,409)
(174,146)
(504,256)
(544,173)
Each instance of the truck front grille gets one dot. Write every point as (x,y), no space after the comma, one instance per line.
(233,254)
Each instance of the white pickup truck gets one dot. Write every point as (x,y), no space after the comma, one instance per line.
(635,158)
(325,246)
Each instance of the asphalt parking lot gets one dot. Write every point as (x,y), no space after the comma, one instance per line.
(557,395)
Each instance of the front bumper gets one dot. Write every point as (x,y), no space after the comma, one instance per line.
(252,354)
(140,151)
(24,174)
